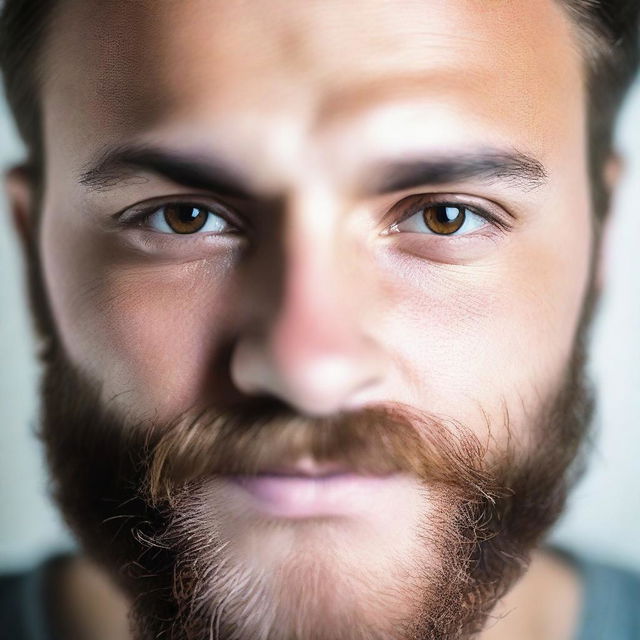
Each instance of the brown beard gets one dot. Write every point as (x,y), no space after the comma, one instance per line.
(138,497)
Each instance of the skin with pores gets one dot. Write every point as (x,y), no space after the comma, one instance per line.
(474,325)
(320,286)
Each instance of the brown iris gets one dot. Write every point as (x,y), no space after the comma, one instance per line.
(444,219)
(185,218)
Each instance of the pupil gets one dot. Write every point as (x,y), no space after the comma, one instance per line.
(444,219)
(446,215)
(187,216)
(451,213)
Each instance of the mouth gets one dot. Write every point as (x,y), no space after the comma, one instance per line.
(306,490)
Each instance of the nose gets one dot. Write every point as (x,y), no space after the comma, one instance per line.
(303,332)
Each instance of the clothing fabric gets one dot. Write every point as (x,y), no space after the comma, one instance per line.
(610,602)
(26,602)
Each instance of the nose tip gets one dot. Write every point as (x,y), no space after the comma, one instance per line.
(312,380)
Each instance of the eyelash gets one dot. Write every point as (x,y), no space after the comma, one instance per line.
(435,200)
(141,217)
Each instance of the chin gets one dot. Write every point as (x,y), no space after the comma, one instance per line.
(373,573)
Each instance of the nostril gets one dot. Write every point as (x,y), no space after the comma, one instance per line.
(312,383)
(316,373)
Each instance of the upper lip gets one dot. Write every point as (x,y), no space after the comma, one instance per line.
(307,468)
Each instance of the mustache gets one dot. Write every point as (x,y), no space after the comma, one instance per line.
(254,438)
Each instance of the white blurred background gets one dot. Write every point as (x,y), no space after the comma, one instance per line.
(604,514)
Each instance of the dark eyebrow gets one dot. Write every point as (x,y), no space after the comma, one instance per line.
(123,163)
(511,167)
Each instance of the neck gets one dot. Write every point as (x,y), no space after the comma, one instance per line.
(543,605)
(89,605)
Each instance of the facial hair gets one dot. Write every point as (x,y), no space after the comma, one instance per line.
(141,498)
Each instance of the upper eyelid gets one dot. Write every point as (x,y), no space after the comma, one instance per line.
(436,199)
(142,211)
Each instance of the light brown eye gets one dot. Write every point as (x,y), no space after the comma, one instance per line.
(185,218)
(444,219)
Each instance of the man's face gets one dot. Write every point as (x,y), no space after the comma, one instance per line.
(337,205)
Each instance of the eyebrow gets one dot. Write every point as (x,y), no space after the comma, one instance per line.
(122,163)
(513,168)
(119,164)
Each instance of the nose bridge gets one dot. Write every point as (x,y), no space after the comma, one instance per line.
(306,340)
(318,275)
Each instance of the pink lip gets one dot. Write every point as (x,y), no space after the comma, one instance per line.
(299,495)
(306,467)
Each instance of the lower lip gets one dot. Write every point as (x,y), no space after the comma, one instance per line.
(305,496)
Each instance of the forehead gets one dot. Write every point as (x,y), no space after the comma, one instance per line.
(125,68)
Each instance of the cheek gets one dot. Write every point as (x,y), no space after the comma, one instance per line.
(147,332)
(473,341)
(162,328)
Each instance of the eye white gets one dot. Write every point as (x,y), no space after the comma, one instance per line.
(416,224)
(214,223)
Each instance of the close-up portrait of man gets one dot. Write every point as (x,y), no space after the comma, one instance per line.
(312,284)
